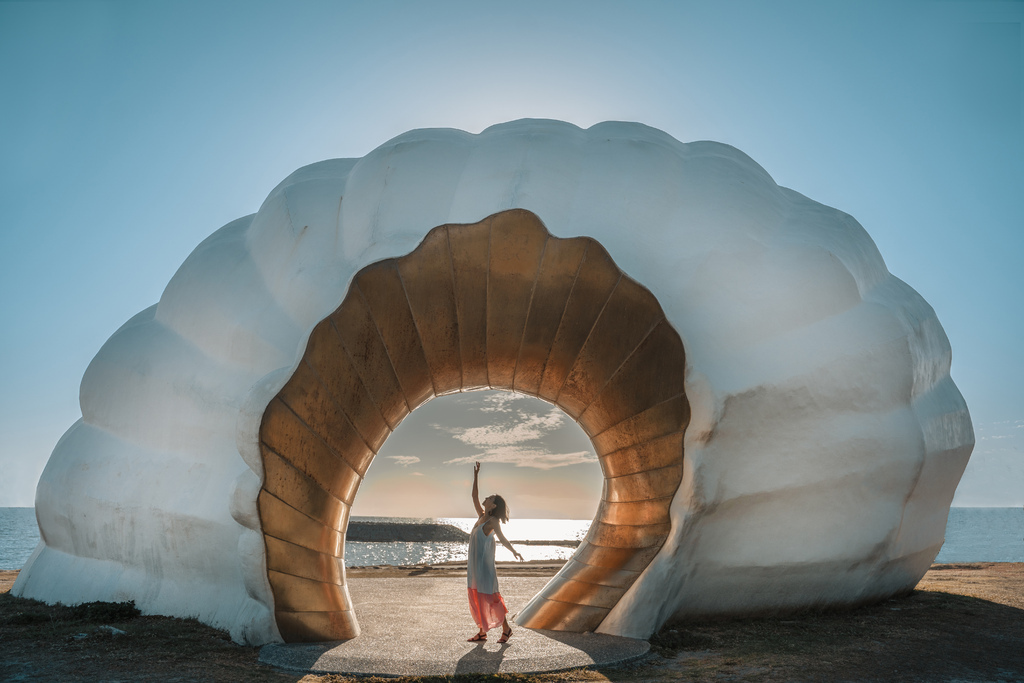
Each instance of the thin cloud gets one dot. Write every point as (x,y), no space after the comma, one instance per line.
(518,428)
(404,460)
(526,457)
(501,402)
(526,428)
(514,435)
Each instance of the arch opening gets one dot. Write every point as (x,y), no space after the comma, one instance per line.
(532,453)
(499,304)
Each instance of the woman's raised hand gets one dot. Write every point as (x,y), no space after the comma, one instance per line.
(476,490)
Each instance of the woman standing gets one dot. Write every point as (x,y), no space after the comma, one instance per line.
(484,599)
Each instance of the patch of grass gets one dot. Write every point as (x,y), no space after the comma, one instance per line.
(27,618)
(668,641)
(105,612)
(28,613)
(917,637)
(69,643)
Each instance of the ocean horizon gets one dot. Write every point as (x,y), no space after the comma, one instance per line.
(973,534)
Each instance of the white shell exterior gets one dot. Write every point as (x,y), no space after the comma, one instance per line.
(827,436)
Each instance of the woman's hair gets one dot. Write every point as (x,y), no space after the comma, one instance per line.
(500,508)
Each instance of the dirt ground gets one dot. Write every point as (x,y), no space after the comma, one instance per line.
(964,623)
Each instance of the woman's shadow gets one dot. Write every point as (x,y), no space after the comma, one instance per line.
(482,661)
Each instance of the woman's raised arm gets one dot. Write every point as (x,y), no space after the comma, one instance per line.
(476,491)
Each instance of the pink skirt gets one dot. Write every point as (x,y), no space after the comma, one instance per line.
(488,609)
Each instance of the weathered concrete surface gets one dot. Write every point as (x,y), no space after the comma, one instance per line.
(417,626)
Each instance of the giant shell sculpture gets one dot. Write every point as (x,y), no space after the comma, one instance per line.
(772,409)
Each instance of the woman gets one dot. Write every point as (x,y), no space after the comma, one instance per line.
(484,599)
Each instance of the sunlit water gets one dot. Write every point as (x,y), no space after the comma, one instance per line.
(972,535)
(361,554)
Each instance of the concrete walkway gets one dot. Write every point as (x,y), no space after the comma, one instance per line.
(417,626)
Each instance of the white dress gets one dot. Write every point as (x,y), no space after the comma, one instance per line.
(480,572)
(485,602)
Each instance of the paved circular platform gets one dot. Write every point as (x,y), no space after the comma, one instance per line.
(417,626)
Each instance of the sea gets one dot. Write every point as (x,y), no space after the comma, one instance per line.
(972,535)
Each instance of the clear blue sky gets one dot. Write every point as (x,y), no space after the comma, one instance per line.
(130,131)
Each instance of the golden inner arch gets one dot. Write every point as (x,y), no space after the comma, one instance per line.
(498,304)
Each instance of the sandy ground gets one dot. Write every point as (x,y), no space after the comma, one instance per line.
(998,582)
(963,623)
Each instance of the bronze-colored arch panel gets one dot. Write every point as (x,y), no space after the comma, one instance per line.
(283,556)
(314,407)
(643,486)
(580,593)
(333,368)
(300,627)
(618,578)
(427,276)
(625,321)
(359,335)
(517,247)
(659,420)
(594,283)
(500,304)
(321,493)
(652,374)
(470,248)
(301,494)
(558,270)
(285,522)
(614,559)
(296,594)
(308,453)
(645,512)
(659,452)
(384,292)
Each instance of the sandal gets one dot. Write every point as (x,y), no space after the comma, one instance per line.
(505,636)
(477,638)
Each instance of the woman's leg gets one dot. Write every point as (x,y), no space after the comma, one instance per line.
(506,631)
